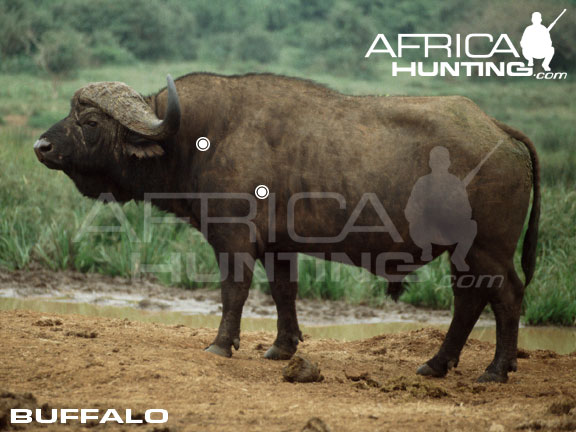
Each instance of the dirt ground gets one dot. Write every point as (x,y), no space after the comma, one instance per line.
(73,361)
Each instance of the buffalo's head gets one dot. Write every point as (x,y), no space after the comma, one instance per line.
(109,125)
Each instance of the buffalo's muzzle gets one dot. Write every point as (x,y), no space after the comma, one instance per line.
(44,152)
(42,146)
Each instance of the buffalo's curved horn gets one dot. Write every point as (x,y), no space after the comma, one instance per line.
(126,106)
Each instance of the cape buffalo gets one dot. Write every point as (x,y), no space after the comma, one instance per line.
(340,171)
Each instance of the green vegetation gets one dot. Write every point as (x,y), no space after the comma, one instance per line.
(49,49)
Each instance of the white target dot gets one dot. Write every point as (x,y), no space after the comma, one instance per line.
(202,143)
(261,192)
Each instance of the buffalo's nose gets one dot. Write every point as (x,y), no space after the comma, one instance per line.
(42,146)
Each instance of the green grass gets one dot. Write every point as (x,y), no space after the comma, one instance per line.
(42,214)
(552,295)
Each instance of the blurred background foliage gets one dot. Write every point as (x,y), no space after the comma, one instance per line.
(62,36)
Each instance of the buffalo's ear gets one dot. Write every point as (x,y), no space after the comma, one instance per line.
(139,146)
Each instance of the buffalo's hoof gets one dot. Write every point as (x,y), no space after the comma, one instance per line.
(222,352)
(276,353)
(488,377)
(426,370)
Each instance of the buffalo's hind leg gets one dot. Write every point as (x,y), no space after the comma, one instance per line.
(283,279)
(506,302)
(491,278)
(468,305)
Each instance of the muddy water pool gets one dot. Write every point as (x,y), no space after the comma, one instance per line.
(558,339)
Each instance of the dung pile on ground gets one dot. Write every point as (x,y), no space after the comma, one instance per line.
(83,334)
(415,386)
(315,424)
(363,380)
(302,370)
(48,322)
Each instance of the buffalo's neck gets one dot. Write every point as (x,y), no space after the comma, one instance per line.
(157,180)
(171,181)
(152,176)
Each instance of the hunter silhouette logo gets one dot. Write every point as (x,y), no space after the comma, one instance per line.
(536,42)
(438,209)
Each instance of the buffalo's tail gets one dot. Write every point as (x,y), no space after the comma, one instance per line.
(531,237)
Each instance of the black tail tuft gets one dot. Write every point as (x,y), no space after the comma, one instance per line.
(395,290)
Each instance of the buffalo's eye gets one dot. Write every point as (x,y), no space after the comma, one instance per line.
(91,123)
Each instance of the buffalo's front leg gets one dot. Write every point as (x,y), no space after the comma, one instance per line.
(237,277)
(283,279)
